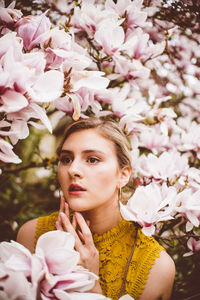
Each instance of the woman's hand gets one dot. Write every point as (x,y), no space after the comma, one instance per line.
(84,244)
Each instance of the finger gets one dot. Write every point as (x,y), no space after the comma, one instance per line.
(59,226)
(62,204)
(66,209)
(74,222)
(81,236)
(87,222)
(87,235)
(67,226)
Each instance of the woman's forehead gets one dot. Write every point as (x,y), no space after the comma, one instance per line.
(88,138)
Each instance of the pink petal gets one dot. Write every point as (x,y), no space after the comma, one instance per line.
(61,261)
(48,87)
(47,241)
(41,115)
(12,101)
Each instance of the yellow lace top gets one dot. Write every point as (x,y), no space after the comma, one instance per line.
(114,249)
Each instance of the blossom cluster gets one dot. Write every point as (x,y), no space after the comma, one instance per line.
(52,272)
(106,58)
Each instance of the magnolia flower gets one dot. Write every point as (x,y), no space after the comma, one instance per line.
(48,87)
(34,111)
(188,206)
(12,101)
(110,35)
(134,14)
(190,140)
(90,16)
(168,166)
(89,79)
(52,271)
(193,245)
(6,153)
(32,30)
(150,204)
(153,139)
(62,5)
(130,70)
(60,264)
(14,285)
(10,14)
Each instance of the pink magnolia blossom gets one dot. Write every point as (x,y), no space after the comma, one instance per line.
(77,59)
(90,16)
(57,39)
(48,87)
(52,271)
(60,264)
(133,9)
(193,245)
(130,70)
(9,14)
(77,103)
(110,35)
(168,166)
(12,101)
(33,110)
(23,69)
(149,205)
(188,206)
(62,5)
(56,46)
(14,285)
(138,45)
(10,40)
(32,30)
(89,79)
(190,139)
(6,153)
(153,139)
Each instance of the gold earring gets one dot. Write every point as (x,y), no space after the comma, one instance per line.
(120,194)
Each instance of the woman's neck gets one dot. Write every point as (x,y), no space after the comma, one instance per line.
(103,219)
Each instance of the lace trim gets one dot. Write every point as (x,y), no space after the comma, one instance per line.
(152,251)
(114,233)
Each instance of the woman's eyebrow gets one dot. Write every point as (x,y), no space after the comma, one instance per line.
(93,151)
(66,151)
(84,151)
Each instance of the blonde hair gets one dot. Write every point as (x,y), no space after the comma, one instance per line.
(108,129)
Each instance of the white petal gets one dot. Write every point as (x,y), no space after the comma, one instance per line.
(47,241)
(13,101)
(41,113)
(48,87)
(148,230)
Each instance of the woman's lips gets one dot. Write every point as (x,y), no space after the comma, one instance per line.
(76,189)
(76,192)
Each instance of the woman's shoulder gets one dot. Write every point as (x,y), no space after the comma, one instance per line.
(26,234)
(30,231)
(161,278)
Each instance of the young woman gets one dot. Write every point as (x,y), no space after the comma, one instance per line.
(94,166)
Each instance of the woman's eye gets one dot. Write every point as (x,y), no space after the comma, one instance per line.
(65,160)
(93,160)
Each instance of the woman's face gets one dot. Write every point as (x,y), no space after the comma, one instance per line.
(88,171)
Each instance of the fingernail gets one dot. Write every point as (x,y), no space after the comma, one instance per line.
(62,214)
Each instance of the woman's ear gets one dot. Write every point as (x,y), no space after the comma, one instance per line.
(125,174)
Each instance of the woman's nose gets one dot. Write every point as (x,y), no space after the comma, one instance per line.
(75,169)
